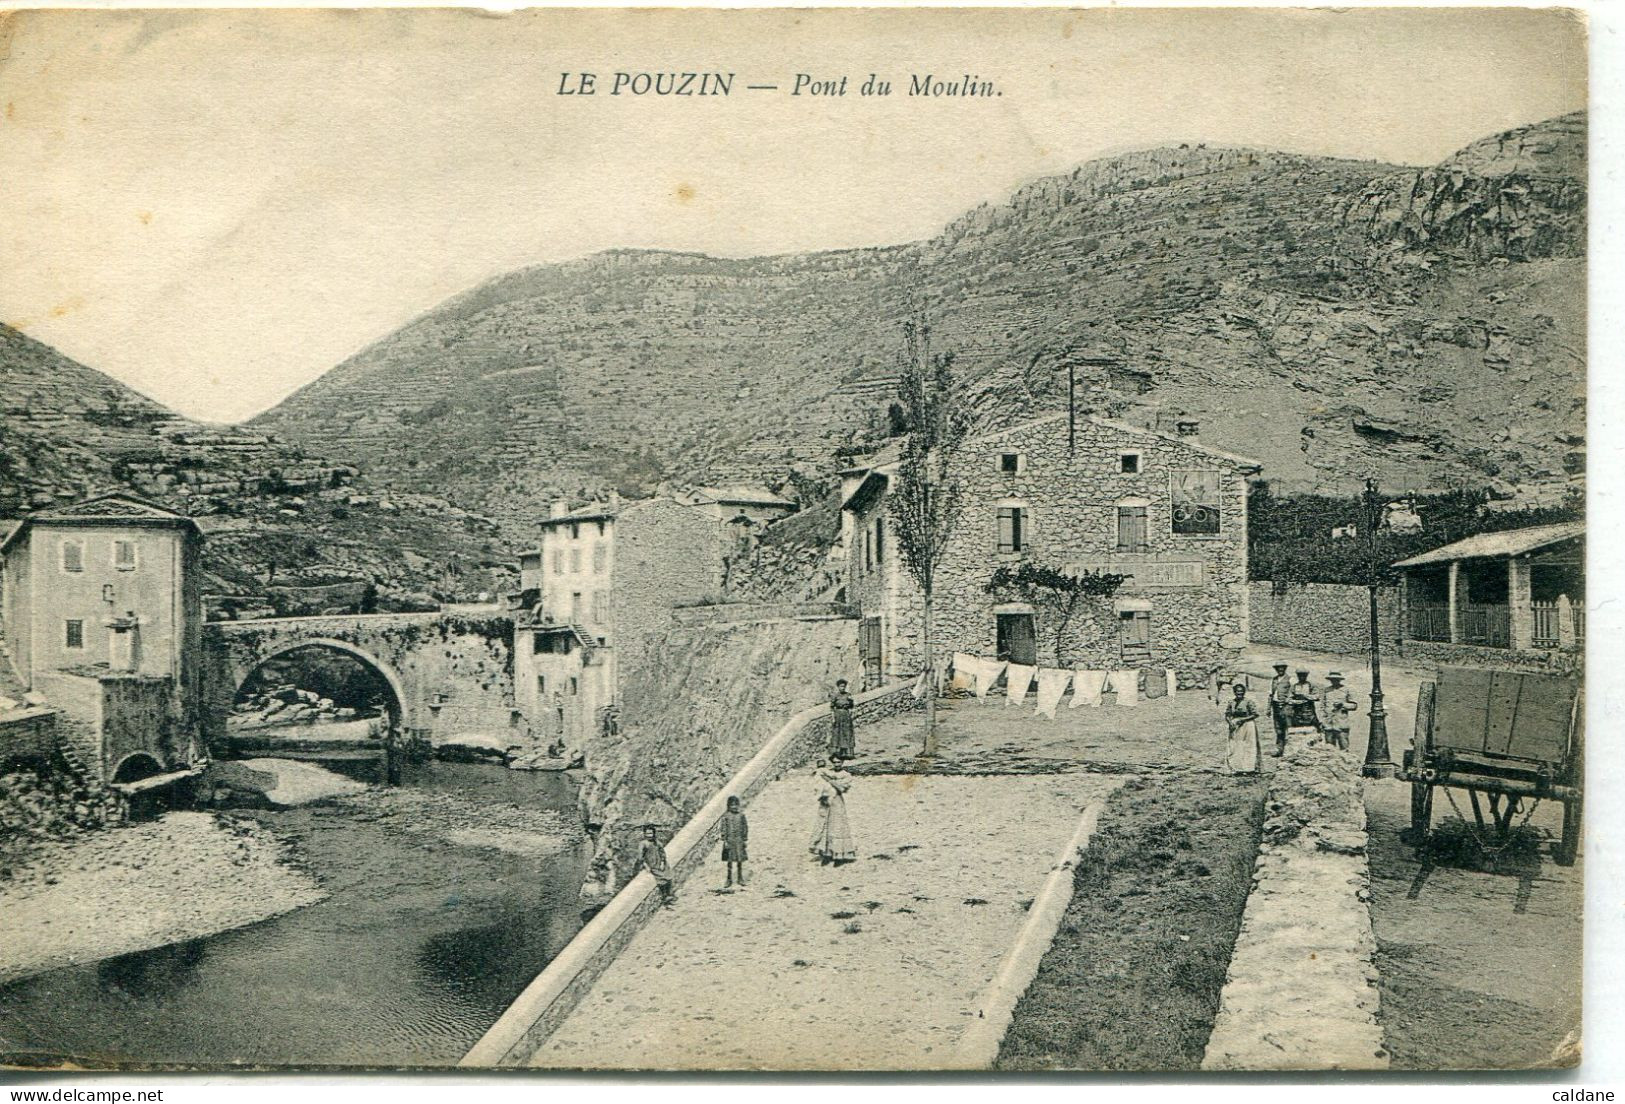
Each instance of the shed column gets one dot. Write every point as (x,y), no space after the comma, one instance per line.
(1450,608)
(1520,618)
(1565,623)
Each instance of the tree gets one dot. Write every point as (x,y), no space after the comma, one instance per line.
(1057,593)
(925,501)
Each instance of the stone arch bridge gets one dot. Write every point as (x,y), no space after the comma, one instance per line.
(447,672)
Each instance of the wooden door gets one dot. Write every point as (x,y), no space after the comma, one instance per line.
(1016,640)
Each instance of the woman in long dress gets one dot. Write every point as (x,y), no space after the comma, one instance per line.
(821,823)
(1242,749)
(837,844)
(843,740)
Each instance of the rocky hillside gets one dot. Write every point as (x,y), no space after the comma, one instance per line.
(1331,318)
(287,531)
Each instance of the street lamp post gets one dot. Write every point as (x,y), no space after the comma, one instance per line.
(1378,762)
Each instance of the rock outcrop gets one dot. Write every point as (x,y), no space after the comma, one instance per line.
(1324,316)
(708,698)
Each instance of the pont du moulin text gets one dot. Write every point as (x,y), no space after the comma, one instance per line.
(807,85)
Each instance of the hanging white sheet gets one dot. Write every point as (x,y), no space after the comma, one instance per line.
(1017,678)
(987,673)
(1126,685)
(965,668)
(1051,685)
(1087,686)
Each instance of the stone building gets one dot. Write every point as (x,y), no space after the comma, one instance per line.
(102,618)
(752,506)
(1516,596)
(602,581)
(1094,495)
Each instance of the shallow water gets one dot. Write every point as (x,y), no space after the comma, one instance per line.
(420,947)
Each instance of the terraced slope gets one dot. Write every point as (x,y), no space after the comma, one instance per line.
(1331,318)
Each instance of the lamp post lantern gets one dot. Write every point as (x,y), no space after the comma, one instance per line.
(1378,762)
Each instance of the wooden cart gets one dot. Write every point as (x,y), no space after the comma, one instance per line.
(1517,738)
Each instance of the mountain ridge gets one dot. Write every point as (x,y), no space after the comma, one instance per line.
(1372,296)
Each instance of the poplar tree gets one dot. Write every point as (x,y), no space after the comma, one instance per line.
(925,501)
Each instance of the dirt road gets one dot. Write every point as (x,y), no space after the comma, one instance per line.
(1480,962)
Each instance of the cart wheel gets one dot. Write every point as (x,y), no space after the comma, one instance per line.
(1568,848)
(1421,812)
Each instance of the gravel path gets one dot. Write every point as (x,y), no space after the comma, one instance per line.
(874,965)
(108,893)
(1185,730)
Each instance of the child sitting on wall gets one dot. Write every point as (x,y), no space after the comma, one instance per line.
(652,856)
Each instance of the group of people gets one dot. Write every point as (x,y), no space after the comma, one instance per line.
(1293,703)
(832,833)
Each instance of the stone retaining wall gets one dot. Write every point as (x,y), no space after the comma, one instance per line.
(736,612)
(1301,991)
(28,733)
(1320,617)
(555,993)
(1468,655)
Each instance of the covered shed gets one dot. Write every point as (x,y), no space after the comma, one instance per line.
(1520,589)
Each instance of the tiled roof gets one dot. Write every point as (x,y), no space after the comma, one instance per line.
(1510,542)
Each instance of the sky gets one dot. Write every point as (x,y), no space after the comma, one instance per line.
(215,207)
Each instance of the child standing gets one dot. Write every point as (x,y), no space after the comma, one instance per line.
(735,835)
(652,856)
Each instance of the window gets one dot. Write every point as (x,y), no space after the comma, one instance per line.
(73,556)
(1011,463)
(1131,529)
(600,557)
(880,540)
(572,687)
(1134,633)
(600,608)
(1128,463)
(541,684)
(558,561)
(868,549)
(1195,496)
(75,635)
(124,555)
(1012,528)
(575,559)
(575,530)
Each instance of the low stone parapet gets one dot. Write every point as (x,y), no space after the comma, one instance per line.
(1301,991)
(560,987)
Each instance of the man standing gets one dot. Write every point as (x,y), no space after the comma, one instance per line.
(1280,695)
(1303,701)
(1337,704)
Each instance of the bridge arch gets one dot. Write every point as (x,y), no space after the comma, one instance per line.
(395,703)
(136,766)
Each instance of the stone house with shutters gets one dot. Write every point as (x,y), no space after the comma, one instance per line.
(603,579)
(101,616)
(1083,494)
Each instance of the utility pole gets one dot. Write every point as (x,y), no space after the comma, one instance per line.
(1071,406)
(1378,762)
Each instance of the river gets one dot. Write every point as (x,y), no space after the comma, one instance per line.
(420,947)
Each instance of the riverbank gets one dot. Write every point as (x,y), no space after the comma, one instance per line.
(1133,977)
(139,886)
(418,933)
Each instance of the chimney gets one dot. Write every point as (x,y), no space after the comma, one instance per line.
(614,501)
(1187,428)
(560,507)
